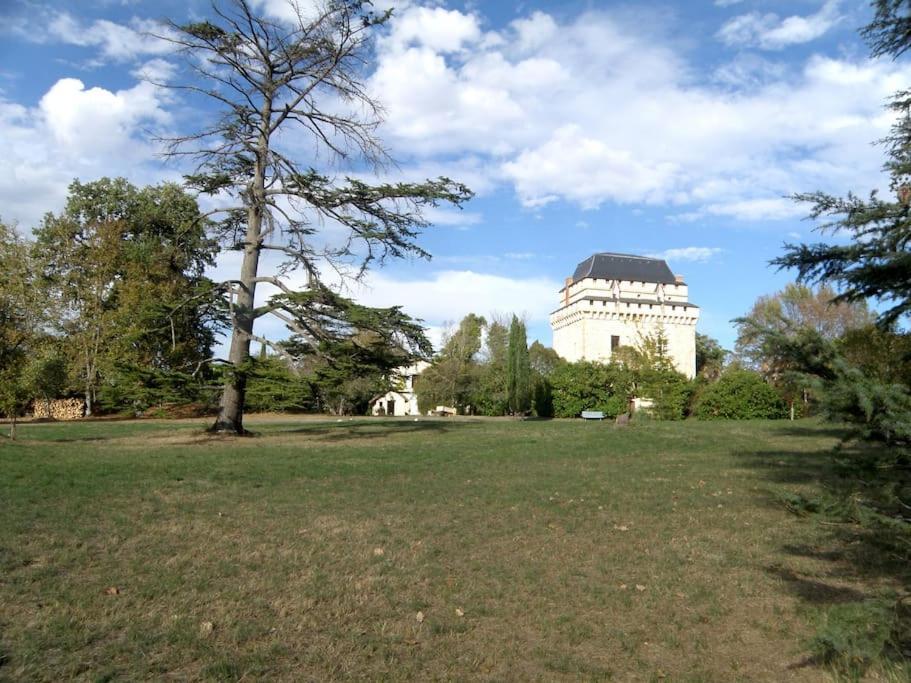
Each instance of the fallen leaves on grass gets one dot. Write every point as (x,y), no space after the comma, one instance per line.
(419,617)
(112,590)
(460,612)
(379,552)
(206,627)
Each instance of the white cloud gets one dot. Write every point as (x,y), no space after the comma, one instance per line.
(534,32)
(699,254)
(115,41)
(97,121)
(75,131)
(452,218)
(775,208)
(435,28)
(155,70)
(585,170)
(452,294)
(749,70)
(590,110)
(770,32)
(596,109)
(437,298)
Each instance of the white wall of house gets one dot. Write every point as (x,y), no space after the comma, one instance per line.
(402,400)
(402,404)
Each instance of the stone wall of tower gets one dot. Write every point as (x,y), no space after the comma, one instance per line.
(595,311)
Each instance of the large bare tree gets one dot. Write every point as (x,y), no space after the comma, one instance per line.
(292,111)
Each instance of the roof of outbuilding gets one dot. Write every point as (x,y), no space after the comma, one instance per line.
(611,266)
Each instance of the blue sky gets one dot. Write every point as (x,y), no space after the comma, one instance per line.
(671,129)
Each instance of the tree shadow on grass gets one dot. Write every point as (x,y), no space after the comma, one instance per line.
(816,431)
(29,440)
(320,432)
(857,546)
(813,590)
(863,556)
(380,429)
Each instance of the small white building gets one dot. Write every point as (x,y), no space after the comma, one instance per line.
(615,300)
(402,400)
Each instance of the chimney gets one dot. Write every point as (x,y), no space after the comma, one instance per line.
(566,283)
(679,279)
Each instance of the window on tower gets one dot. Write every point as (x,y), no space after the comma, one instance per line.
(614,342)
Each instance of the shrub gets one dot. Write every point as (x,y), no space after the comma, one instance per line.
(670,391)
(589,386)
(542,397)
(739,395)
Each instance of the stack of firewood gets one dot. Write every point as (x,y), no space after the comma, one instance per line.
(59,409)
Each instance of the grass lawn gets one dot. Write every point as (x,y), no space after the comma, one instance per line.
(402,550)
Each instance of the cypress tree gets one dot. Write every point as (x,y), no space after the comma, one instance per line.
(518,369)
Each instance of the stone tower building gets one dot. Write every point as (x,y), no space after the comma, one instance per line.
(615,300)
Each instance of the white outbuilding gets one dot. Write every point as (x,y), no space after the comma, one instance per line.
(402,400)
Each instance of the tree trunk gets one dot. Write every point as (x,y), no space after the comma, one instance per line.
(88,398)
(231,407)
(792,411)
(12,428)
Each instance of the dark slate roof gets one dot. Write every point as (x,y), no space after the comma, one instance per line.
(610,266)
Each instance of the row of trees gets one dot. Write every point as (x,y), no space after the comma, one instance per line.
(486,368)
(111,296)
(798,309)
(482,367)
(109,301)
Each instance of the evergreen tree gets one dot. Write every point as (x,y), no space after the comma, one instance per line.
(518,371)
(276,385)
(281,85)
(875,264)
